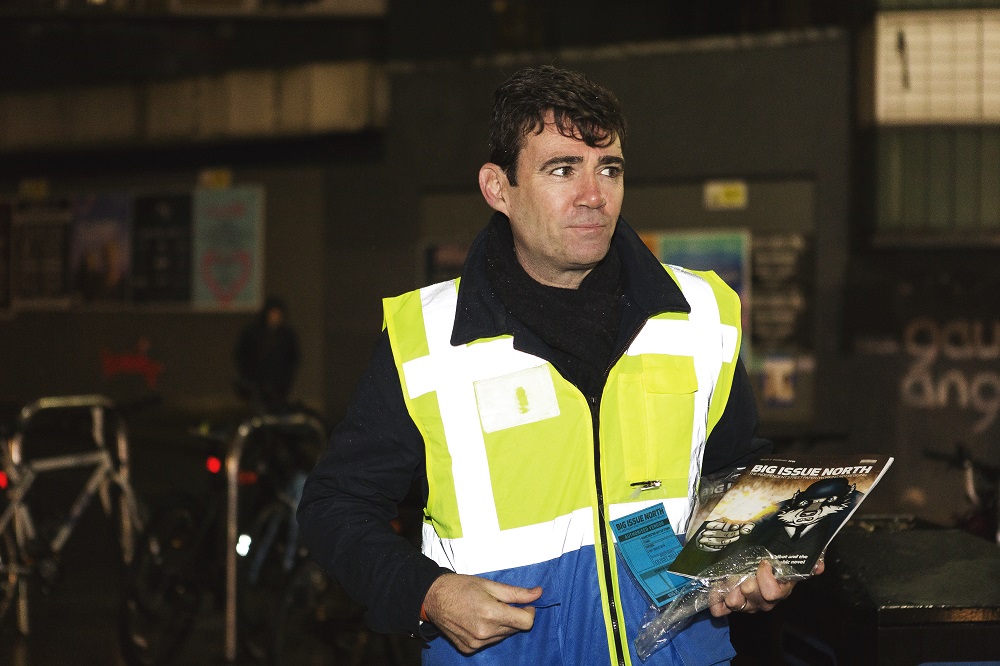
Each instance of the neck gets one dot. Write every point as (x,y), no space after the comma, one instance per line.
(567,279)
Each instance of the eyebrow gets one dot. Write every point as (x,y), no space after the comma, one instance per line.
(576,159)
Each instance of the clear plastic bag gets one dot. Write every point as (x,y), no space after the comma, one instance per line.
(661,625)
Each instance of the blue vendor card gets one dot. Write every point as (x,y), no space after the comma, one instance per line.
(648,545)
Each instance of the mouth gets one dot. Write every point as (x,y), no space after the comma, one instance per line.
(589,225)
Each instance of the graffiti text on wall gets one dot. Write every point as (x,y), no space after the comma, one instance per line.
(947,369)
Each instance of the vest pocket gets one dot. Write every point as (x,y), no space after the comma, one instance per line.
(657,407)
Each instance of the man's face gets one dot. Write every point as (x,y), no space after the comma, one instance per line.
(565,205)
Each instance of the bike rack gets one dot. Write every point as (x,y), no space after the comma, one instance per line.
(233,457)
(21,473)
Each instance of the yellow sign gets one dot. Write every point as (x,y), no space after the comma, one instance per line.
(725,195)
(215,178)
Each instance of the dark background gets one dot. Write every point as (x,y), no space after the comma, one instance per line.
(771,93)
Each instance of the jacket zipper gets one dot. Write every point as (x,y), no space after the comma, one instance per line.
(602,526)
(595,409)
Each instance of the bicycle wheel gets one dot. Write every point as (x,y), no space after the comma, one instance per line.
(264,573)
(317,624)
(163,589)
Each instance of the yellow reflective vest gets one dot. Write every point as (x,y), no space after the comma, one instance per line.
(524,472)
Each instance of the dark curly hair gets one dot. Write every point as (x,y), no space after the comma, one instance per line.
(581,109)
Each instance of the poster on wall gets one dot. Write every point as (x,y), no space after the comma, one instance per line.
(782,289)
(782,315)
(101,247)
(4,256)
(39,238)
(727,252)
(228,256)
(161,249)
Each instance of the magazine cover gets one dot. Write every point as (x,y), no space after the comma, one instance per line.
(790,506)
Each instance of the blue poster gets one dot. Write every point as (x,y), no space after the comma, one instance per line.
(725,252)
(101,248)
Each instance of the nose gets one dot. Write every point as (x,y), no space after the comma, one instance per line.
(590,193)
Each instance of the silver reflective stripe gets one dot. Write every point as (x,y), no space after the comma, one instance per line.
(531,544)
(451,372)
(515,547)
(704,337)
(705,319)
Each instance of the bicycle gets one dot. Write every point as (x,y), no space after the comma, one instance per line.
(316,622)
(269,551)
(28,547)
(189,551)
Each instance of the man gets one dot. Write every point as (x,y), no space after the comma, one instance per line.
(568,379)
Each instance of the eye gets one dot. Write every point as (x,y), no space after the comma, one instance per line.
(564,170)
(612,171)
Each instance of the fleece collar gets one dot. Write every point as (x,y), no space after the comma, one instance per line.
(648,288)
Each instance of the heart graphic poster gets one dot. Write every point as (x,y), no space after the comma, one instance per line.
(228,254)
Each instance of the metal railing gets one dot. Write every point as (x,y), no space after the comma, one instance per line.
(233,457)
(109,470)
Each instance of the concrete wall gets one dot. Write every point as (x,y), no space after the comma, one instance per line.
(57,352)
(342,232)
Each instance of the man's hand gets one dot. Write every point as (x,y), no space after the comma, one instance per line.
(474,612)
(758,593)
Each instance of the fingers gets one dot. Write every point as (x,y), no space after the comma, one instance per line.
(760,592)
(474,612)
(736,599)
(511,594)
(512,616)
(764,591)
(733,602)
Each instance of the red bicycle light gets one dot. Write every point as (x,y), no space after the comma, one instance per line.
(3,480)
(213,465)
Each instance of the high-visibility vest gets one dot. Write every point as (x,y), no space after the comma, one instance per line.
(514,476)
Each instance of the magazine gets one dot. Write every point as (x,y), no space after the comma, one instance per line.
(783,508)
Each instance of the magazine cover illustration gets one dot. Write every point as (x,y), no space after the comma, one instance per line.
(790,506)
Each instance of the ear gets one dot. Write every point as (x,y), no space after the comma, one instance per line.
(493,184)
